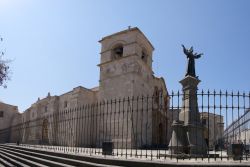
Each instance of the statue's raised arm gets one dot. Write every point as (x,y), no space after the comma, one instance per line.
(185,50)
(197,56)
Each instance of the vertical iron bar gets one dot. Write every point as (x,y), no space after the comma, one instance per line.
(79,128)
(85,128)
(111,110)
(151,121)
(132,128)
(128,108)
(76,130)
(156,100)
(141,144)
(239,120)
(91,124)
(64,128)
(147,128)
(196,122)
(99,127)
(82,127)
(71,132)
(59,129)
(118,133)
(107,119)
(208,94)
(232,116)
(136,127)
(178,108)
(248,121)
(114,124)
(89,128)
(184,108)
(103,125)
(123,110)
(202,113)
(215,121)
(96,125)
(220,127)
(245,121)
(227,123)
(67,129)
(172,108)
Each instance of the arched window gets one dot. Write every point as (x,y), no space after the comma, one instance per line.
(117,52)
(65,104)
(156,95)
(1,114)
(144,56)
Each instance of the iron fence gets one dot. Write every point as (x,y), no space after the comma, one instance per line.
(138,126)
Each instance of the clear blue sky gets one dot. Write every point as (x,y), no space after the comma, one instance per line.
(54,43)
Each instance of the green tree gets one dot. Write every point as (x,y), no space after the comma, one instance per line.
(4,68)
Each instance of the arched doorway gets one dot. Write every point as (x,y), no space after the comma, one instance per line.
(45,135)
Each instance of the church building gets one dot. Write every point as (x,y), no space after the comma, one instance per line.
(125,72)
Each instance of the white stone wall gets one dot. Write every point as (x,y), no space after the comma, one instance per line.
(10,115)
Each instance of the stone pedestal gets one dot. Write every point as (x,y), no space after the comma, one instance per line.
(196,143)
(178,141)
(187,136)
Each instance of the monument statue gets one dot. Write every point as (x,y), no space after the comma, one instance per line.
(191,60)
(187,135)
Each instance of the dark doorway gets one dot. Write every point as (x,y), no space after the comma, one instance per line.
(45,135)
(160,134)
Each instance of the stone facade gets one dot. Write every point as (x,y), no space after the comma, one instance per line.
(53,105)
(125,71)
(214,128)
(8,116)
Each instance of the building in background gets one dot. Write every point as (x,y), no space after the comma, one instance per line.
(213,129)
(9,116)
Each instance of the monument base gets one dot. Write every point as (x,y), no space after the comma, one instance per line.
(196,142)
(187,140)
(178,142)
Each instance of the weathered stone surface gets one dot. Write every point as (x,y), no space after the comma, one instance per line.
(189,139)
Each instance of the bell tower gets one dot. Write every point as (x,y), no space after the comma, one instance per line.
(126,64)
